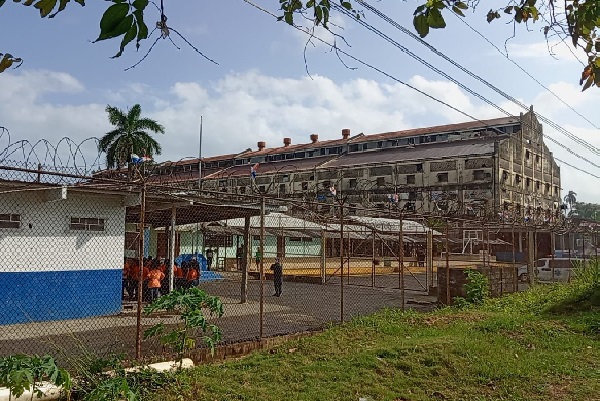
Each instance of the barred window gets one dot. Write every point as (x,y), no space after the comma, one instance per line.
(10,220)
(86,224)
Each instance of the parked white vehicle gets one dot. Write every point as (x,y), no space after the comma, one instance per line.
(551,270)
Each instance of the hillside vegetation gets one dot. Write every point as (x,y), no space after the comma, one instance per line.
(540,344)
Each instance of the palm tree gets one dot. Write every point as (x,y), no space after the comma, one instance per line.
(129,136)
(571,199)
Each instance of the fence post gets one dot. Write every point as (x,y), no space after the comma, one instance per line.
(373,258)
(138,330)
(514,259)
(246,248)
(447,264)
(401,261)
(172,248)
(429,263)
(323,257)
(261,266)
(341,263)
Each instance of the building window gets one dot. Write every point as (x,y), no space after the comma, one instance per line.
(538,185)
(528,182)
(380,144)
(352,183)
(442,177)
(242,190)
(262,189)
(410,179)
(380,181)
(305,186)
(281,188)
(504,175)
(547,187)
(295,239)
(86,224)
(412,196)
(353,148)
(419,168)
(10,220)
(517,179)
(478,175)
(365,146)
(527,155)
(537,159)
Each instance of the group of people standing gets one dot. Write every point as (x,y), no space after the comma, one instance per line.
(154,274)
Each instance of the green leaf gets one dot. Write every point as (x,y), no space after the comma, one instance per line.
(458,11)
(45,7)
(113,22)
(461,5)
(435,19)
(129,36)
(140,5)
(421,25)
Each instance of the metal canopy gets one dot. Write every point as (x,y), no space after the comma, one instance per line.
(190,213)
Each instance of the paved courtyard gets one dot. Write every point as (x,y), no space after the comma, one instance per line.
(301,307)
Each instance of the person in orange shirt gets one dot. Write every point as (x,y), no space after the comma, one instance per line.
(155,276)
(179,276)
(192,278)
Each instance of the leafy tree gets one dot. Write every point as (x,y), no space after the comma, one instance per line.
(129,136)
(124,20)
(589,211)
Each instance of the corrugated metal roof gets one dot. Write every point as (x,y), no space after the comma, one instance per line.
(418,152)
(440,129)
(272,167)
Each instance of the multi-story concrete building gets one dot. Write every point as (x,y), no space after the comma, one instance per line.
(498,164)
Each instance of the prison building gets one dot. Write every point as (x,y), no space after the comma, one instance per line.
(497,164)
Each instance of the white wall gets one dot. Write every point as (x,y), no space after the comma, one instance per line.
(44,241)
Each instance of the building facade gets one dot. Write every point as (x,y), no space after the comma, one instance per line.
(490,165)
(62,253)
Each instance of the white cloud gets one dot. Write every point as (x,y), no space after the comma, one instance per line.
(241,109)
(550,51)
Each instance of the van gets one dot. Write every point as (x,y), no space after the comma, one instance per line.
(551,270)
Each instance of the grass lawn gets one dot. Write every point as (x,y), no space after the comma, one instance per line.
(543,344)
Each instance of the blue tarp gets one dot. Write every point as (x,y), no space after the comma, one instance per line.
(186,257)
(205,274)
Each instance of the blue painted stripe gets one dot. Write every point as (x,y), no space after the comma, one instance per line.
(59,295)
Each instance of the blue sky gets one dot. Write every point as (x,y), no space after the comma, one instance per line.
(260,90)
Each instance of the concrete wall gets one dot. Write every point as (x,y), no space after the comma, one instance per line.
(49,271)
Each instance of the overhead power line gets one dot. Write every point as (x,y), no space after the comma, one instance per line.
(364,63)
(404,30)
(455,81)
(527,72)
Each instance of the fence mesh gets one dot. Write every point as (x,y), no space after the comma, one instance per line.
(74,249)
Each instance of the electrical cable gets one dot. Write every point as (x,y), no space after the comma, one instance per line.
(364,63)
(459,66)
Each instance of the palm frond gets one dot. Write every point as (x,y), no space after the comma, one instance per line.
(108,138)
(116,116)
(149,124)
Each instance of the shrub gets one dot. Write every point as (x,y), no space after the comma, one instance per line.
(476,289)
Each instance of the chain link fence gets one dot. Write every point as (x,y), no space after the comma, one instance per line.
(77,251)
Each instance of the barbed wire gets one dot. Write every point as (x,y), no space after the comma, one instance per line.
(67,155)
